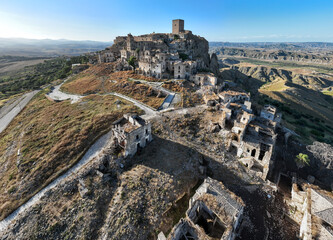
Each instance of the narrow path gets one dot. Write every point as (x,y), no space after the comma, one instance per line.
(96,149)
(57,94)
(16,108)
(149,110)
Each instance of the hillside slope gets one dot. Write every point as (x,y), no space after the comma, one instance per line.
(303,99)
(47,138)
(281,55)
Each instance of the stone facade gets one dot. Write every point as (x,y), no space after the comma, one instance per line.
(202,79)
(234,96)
(131,132)
(269,112)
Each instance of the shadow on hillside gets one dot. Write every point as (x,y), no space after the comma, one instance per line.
(249,83)
(176,159)
(285,163)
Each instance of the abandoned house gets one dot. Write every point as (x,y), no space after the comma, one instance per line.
(269,112)
(257,147)
(234,96)
(312,209)
(131,133)
(202,79)
(251,137)
(214,213)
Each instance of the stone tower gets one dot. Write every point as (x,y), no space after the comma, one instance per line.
(177,26)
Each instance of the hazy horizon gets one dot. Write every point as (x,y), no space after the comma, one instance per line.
(90,40)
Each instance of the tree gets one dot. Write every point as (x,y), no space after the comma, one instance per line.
(301,160)
(131,61)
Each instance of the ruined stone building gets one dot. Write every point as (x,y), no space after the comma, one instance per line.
(234,96)
(257,146)
(312,209)
(107,56)
(269,112)
(214,213)
(131,133)
(202,79)
(179,55)
(251,137)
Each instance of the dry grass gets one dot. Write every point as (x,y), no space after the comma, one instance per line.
(173,86)
(102,79)
(50,137)
(88,84)
(329,93)
(189,98)
(275,86)
(138,91)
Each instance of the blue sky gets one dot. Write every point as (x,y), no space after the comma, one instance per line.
(216,20)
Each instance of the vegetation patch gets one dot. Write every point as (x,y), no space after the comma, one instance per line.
(47,138)
(35,76)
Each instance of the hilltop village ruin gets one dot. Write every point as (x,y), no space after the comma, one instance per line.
(180,153)
(214,212)
(178,55)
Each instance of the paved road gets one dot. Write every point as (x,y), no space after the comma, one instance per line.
(56,94)
(16,108)
(96,149)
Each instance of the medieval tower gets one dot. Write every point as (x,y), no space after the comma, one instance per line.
(177,26)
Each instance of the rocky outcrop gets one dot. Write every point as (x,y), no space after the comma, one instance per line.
(214,64)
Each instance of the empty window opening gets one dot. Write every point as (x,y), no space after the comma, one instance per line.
(137,137)
(253,153)
(285,185)
(261,154)
(235,138)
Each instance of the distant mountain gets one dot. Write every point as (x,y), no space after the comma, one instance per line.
(48,47)
(292,46)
